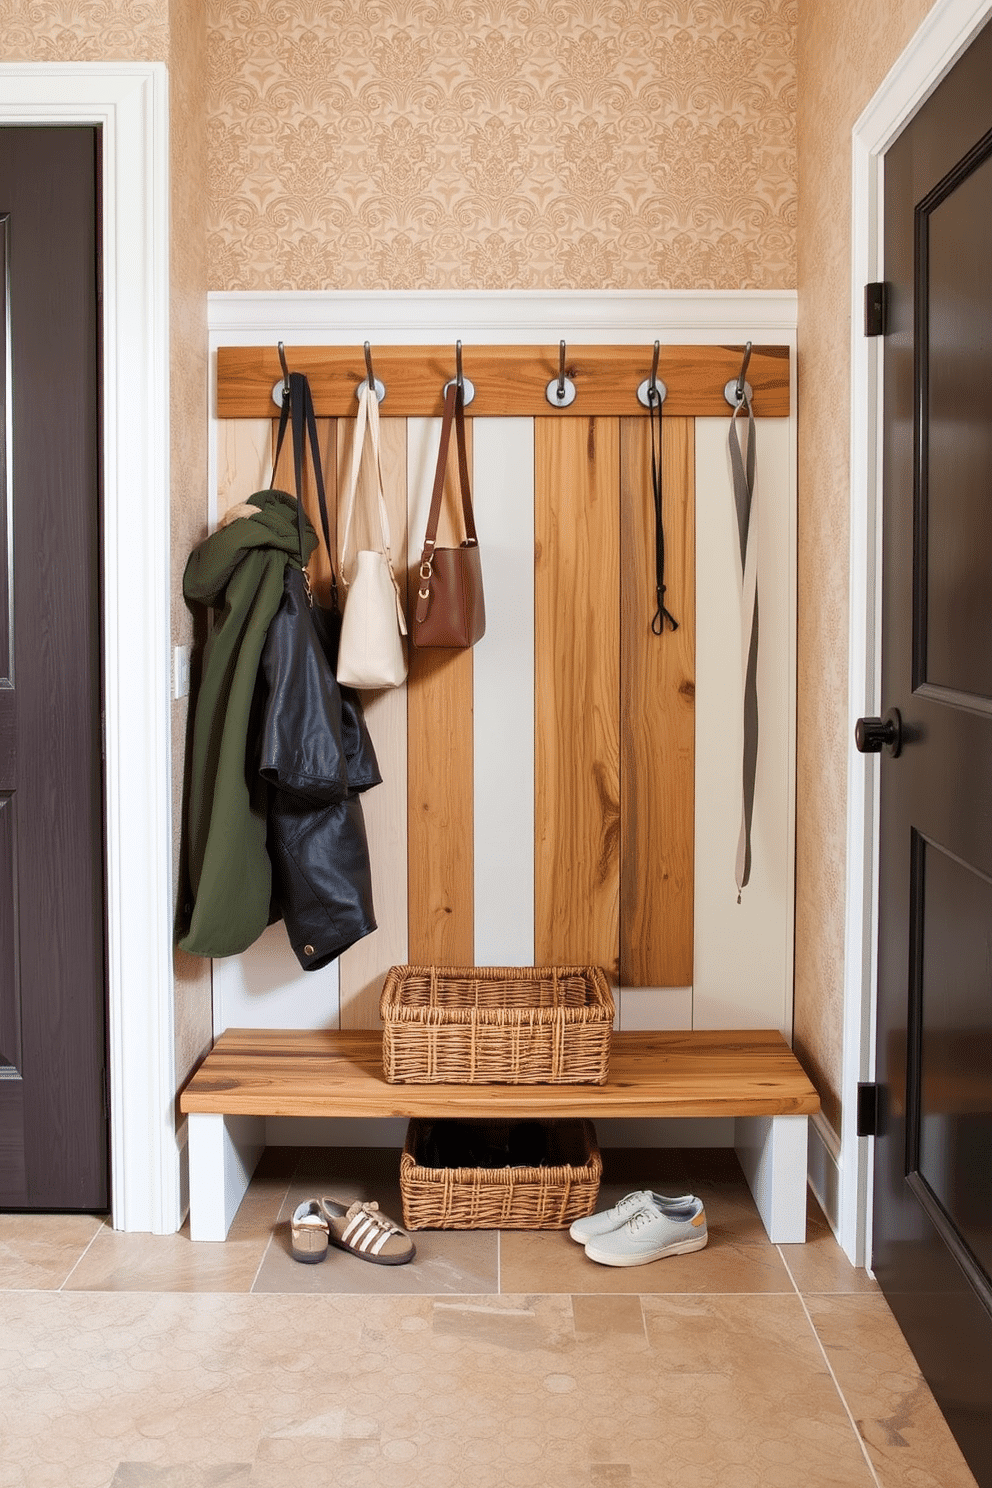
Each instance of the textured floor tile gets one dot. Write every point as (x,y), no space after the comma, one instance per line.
(601,1316)
(185,1475)
(907,1438)
(754,1379)
(173,1263)
(820,1265)
(38,1251)
(495,1321)
(548,1261)
(93,1381)
(447,1261)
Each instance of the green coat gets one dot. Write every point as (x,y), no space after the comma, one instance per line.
(239,571)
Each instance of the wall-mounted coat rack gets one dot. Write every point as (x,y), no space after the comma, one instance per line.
(510,381)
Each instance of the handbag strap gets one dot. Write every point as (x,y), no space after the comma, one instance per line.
(297,409)
(742,465)
(366,424)
(454,412)
(662,613)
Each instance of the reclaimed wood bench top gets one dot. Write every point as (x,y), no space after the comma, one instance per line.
(332,1072)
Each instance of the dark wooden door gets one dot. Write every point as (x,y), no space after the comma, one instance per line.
(53,1125)
(932,1222)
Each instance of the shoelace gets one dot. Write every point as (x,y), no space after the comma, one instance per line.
(642,1217)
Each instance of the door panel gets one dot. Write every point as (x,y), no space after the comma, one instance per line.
(932,1222)
(53,1126)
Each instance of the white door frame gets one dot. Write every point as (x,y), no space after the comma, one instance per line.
(947,32)
(129,104)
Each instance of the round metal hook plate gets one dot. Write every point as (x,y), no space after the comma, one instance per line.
(277,393)
(644,392)
(559,396)
(730,392)
(467,384)
(380,389)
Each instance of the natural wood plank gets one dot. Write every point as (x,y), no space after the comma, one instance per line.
(364,966)
(244,460)
(325,1072)
(509,380)
(657,712)
(577,687)
(440,756)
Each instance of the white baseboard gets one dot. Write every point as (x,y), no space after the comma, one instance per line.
(824,1168)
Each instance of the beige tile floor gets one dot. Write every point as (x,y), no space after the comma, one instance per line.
(495,1360)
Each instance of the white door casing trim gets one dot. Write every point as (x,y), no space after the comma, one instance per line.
(941,39)
(128,102)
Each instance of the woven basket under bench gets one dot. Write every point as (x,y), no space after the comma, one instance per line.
(545,1197)
(496,1025)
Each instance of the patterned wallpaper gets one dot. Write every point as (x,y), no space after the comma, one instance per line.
(84,30)
(845,50)
(502,144)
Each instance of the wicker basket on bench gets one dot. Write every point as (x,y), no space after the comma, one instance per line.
(484,1025)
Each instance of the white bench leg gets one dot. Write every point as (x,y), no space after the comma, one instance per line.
(223,1153)
(772,1152)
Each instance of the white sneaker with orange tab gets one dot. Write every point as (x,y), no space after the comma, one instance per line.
(650,1234)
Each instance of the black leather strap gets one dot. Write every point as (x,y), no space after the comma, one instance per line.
(661,614)
(297,407)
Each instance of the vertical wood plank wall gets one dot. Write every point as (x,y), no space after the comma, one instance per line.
(613,715)
(577,692)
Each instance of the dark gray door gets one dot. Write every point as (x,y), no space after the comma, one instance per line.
(932,1223)
(53,1125)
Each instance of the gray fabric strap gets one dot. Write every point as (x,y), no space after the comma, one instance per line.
(742,465)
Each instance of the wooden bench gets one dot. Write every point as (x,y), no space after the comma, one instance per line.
(253,1073)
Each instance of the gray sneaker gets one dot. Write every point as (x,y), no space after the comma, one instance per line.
(650,1234)
(584,1230)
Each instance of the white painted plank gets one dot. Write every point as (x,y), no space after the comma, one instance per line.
(742,975)
(265,987)
(504,694)
(658,1008)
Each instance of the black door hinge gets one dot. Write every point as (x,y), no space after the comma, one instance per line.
(869,1108)
(876,308)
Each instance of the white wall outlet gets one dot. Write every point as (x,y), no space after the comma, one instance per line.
(180,671)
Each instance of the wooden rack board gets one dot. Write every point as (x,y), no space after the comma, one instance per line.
(509,381)
(752,1076)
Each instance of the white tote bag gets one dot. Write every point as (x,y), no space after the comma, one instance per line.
(372,652)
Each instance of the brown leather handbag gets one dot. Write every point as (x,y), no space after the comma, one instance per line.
(450,609)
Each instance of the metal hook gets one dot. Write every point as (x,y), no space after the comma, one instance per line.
(375,386)
(460,380)
(735,392)
(560,391)
(651,390)
(280,393)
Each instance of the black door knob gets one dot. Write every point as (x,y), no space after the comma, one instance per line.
(872,735)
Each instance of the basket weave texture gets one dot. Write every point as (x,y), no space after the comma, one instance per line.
(547,1197)
(496,1025)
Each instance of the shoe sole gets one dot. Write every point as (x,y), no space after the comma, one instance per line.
(682,1247)
(308,1257)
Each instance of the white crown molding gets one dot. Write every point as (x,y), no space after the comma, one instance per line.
(129,104)
(412,317)
(944,35)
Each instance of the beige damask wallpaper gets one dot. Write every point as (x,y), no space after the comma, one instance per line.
(845,50)
(84,30)
(502,144)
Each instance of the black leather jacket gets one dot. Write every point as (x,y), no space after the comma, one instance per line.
(315,752)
